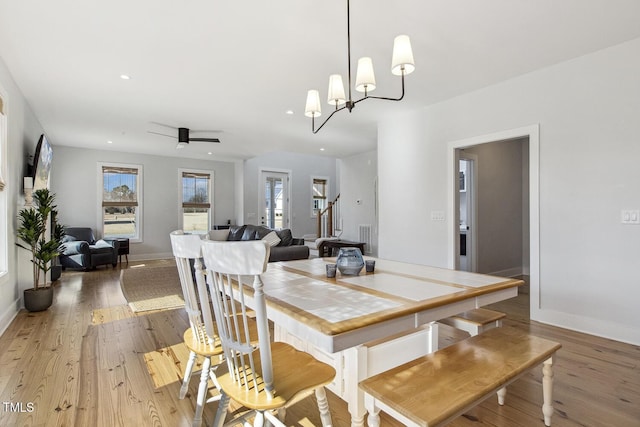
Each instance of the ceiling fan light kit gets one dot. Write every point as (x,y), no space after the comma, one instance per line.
(401,64)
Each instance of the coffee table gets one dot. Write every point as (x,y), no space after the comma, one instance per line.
(328,247)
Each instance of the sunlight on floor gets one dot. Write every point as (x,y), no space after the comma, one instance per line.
(166,365)
(100,316)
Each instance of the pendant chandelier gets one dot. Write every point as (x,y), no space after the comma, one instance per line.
(401,65)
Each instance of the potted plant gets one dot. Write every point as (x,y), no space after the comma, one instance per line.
(33,233)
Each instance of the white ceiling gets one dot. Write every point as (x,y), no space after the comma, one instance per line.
(238,66)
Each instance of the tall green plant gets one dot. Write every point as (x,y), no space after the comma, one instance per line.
(33,232)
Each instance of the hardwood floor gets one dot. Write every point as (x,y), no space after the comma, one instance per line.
(90,361)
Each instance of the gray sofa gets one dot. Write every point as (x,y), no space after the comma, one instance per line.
(83,251)
(289,248)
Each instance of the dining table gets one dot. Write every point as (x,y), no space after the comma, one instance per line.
(367,323)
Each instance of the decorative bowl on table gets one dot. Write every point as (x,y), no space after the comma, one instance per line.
(350,261)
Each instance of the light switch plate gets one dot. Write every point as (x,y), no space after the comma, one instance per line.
(437,215)
(630,216)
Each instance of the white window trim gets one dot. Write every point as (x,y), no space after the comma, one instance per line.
(4,194)
(328,194)
(211,194)
(140,197)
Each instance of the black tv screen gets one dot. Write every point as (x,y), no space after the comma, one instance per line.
(42,164)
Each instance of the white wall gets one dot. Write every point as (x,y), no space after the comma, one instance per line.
(587,109)
(357,176)
(23,131)
(302,168)
(74,179)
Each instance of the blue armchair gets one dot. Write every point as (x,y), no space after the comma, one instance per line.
(82,251)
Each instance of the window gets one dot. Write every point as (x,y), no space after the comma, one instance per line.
(196,201)
(121,193)
(319,188)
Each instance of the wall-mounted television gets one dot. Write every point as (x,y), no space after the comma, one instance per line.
(42,164)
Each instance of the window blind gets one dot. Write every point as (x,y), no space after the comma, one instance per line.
(195,190)
(119,186)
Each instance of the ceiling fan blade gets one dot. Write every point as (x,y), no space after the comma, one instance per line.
(163,134)
(206,130)
(183,137)
(163,125)
(204,139)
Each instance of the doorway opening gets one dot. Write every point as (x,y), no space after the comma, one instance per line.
(529,213)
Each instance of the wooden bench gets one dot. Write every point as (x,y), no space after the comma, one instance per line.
(475,321)
(434,389)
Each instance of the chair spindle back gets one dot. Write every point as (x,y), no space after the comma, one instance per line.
(235,286)
(186,249)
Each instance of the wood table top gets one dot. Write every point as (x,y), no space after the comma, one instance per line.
(346,303)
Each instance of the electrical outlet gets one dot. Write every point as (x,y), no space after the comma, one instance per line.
(630,216)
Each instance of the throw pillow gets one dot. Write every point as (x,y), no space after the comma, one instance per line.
(272,239)
(236,232)
(219,235)
(101,244)
(286,239)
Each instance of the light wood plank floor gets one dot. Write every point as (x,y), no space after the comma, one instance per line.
(90,361)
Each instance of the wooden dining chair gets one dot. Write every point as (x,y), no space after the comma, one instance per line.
(200,342)
(266,376)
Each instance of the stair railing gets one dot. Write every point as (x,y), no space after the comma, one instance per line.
(329,219)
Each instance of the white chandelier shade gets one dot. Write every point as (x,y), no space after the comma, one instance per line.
(402,60)
(365,78)
(312,108)
(336,90)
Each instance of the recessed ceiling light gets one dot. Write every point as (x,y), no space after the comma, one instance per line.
(109,142)
(209,153)
(289,112)
(125,77)
(322,149)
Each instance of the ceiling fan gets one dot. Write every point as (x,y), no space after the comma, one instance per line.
(183,136)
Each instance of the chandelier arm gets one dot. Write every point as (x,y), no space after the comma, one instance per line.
(384,97)
(313,120)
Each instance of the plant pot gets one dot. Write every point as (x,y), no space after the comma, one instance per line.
(38,299)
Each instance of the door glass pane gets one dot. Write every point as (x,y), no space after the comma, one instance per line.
(273,196)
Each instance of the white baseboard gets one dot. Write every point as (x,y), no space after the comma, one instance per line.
(509,272)
(614,331)
(9,314)
(151,257)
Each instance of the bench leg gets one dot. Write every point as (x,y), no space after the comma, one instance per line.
(547,390)
(373,420)
(501,394)
(433,337)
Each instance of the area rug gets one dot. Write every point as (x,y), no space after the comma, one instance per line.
(151,288)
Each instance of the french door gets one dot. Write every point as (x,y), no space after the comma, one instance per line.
(274,199)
